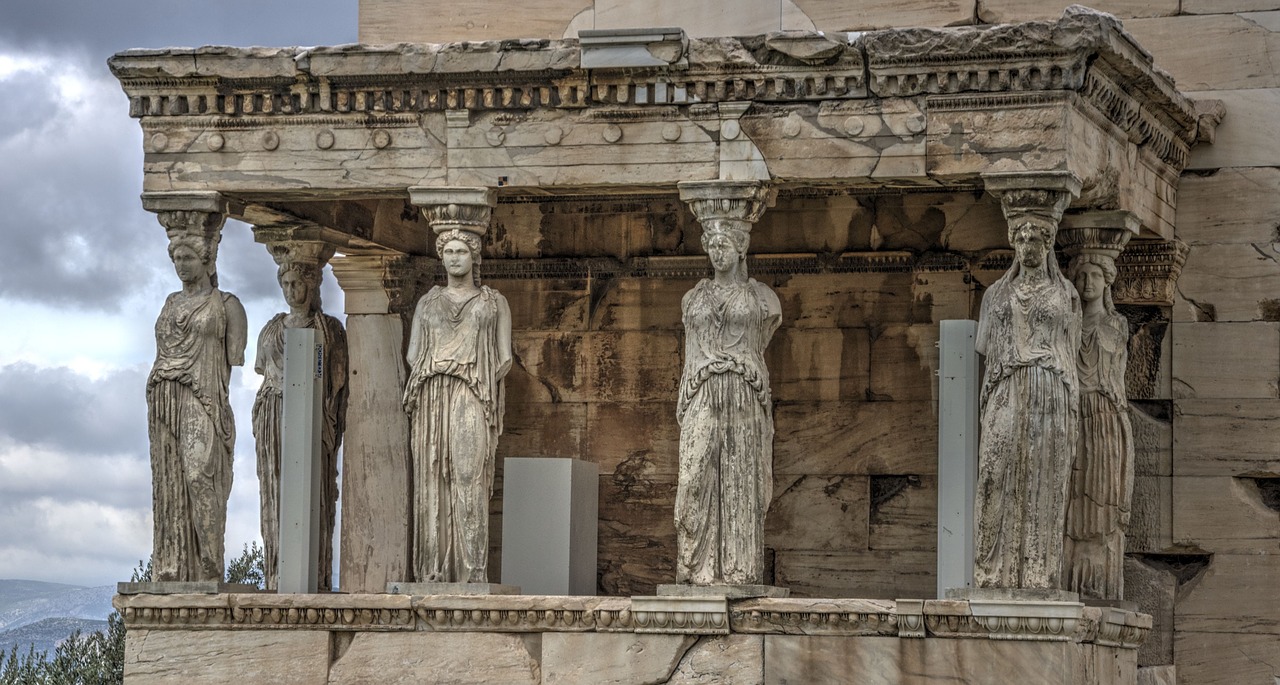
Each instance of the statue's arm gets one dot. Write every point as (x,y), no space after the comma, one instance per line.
(416,333)
(237,330)
(773,309)
(260,357)
(504,336)
(983,337)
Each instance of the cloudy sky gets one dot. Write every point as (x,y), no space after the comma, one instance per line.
(83,273)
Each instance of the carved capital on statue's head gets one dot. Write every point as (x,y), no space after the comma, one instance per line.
(727,206)
(1100,233)
(1038,197)
(467,209)
(306,258)
(313,252)
(193,219)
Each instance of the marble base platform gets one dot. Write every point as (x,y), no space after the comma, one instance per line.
(1012,594)
(728,591)
(452,589)
(183,587)
(232,639)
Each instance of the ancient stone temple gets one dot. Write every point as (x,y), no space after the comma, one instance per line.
(893,168)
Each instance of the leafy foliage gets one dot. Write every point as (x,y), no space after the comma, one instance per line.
(247,568)
(98,658)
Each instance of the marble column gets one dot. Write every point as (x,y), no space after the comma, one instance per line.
(201,334)
(1099,502)
(1029,332)
(376,518)
(724,407)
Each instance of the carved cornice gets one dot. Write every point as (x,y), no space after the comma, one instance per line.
(680,615)
(814,617)
(1113,627)
(378,613)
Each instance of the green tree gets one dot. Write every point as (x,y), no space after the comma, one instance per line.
(247,568)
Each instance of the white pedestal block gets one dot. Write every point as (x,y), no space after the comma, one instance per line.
(549,525)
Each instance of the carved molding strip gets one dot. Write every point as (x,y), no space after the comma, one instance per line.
(812,621)
(1025,621)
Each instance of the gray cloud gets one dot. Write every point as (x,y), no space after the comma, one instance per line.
(60,409)
(100,29)
(74,466)
(74,229)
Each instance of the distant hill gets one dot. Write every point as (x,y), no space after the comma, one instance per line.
(46,633)
(42,613)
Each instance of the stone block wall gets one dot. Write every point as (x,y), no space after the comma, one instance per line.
(599,348)
(1205,537)
(1223,566)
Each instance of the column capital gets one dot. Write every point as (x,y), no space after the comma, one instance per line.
(1038,196)
(380,283)
(312,254)
(733,204)
(1148,272)
(290,244)
(446,208)
(196,214)
(1098,232)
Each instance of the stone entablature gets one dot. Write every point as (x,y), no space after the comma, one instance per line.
(893,108)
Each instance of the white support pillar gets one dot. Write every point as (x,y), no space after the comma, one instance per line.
(549,520)
(300,460)
(957,452)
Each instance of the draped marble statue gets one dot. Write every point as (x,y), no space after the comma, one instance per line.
(1102,479)
(200,334)
(459,353)
(300,281)
(725,416)
(1029,331)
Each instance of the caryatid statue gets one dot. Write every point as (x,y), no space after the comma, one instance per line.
(459,352)
(301,265)
(724,407)
(1029,332)
(200,334)
(1099,501)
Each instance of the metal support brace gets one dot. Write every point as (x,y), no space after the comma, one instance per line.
(300,461)
(957,452)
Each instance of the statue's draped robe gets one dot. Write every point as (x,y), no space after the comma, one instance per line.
(267,409)
(1030,334)
(1102,479)
(454,397)
(192,433)
(726,433)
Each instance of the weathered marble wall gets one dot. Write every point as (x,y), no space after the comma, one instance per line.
(598,358)
(1204,375)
